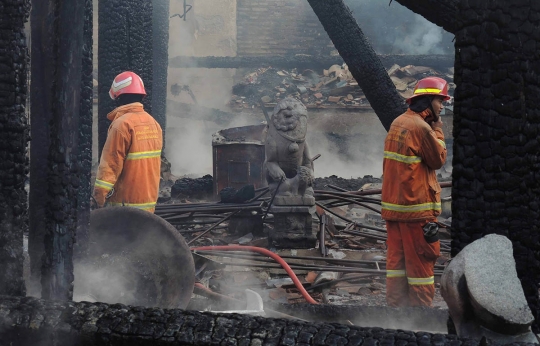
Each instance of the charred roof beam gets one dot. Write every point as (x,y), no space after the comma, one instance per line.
(441,13)
(363,62)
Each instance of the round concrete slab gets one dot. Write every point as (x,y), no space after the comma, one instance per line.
(135,258)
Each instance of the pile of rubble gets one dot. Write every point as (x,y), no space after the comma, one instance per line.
(335,87)
(346,267)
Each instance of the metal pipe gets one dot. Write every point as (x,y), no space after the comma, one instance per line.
(349,220)
(336,188)
(335,281)
(322,224)
(266,189)
(188,231)
(314,268)
(356,198)
(242,255)
(351,201)
(213,226)
(261,259)
(272,200)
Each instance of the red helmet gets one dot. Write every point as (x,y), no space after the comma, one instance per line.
(126,83)
(430,86)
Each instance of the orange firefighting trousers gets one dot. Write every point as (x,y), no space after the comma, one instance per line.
(409,265)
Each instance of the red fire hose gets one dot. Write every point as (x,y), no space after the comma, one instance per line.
(265,252)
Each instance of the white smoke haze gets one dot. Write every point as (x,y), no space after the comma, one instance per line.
(102,284)
(423,38)
(350,143)
(189,143)
(395,29)
(189,147)
(362,159)
(391,30)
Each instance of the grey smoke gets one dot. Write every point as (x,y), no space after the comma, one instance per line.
(395,29)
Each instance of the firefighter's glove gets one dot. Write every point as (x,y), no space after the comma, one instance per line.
(93,204)
(431,232)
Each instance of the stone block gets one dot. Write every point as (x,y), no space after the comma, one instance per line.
(292,228)
(294,200)
(484,295)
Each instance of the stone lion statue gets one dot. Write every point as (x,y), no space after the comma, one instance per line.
(287,152)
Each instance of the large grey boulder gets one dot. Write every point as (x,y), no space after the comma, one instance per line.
(484,295)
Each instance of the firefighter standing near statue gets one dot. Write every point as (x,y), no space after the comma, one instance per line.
(129,168)
(414,148)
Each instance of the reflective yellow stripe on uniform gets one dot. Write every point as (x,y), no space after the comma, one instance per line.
(421,281)
(411,208)
(395,273)
(143,206)
(104,185)
(442,143)
(402,158)
(427,90)
(143,155)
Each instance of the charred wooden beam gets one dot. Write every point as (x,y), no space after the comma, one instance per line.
(441,13)
(85,133)
(496,127)
(59,53)
(125,41)
(41,115)
(13,143)
(160,59)
(133,36)
(304,61)
(364,64)
(30,321)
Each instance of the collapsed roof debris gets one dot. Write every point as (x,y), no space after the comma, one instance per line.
(350,271)
(330,88)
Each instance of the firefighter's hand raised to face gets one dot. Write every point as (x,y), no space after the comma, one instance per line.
(437,124)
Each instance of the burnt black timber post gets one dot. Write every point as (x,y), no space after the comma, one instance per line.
(85,132)
(62,40)
(496,166)
(28,321)
(40,114)
(362,60)
(125,44)
(160,41)
(13,143)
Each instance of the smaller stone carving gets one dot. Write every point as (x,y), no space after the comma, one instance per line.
(484,295)
(288,162)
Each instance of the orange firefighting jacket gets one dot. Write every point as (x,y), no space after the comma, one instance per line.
(129,169)
(412,153)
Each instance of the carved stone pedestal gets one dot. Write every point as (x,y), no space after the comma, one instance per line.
(292,228)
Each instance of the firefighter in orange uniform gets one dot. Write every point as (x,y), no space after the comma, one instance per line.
(414,148)
(129,168)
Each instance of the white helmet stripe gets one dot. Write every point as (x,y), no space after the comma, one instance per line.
(121,84)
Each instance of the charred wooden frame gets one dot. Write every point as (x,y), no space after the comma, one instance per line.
(14,138)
